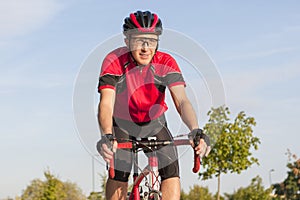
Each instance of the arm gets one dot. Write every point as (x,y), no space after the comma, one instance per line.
(105,110)
(184,106)
(188,116)
(105,114)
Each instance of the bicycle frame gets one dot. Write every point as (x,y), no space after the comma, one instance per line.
(151,169)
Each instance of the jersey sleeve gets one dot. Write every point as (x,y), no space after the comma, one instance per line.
(173,75)
(107,81)
(110,72)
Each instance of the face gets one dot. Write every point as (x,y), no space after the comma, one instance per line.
(142,47)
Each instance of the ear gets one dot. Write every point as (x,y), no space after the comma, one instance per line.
(126,40)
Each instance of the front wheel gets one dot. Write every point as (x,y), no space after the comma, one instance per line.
(154,195)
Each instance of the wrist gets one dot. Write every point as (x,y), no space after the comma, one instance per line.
(196,132)
(106,130)
(109,133)
(194,128)
(108,136)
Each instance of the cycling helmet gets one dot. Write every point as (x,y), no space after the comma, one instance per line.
(142,22)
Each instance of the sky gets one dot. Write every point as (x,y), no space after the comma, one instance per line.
(45,45)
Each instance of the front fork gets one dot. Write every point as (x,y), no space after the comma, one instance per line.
(154,191)
(135,194)
(153,165)
(153,184)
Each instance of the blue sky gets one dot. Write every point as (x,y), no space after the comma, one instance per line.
(43,43)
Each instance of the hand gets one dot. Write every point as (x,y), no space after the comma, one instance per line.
(107,146)
(200,142)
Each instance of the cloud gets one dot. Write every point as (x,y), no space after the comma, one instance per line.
(255,88)
(22,17)
(260,54)
(260,77)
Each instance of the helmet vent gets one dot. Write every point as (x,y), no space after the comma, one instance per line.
(147,28)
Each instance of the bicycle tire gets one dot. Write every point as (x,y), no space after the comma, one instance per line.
(154,195)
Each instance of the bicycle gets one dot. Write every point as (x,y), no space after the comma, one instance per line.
(150,173)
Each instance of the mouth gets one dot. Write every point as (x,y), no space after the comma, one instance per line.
(144,56)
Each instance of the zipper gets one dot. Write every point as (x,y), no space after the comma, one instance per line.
(141,69)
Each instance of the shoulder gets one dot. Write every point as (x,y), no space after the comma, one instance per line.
(165,63)
(114,61)
(163,57)
(118,54)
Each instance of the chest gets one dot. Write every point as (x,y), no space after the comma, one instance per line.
(140,78)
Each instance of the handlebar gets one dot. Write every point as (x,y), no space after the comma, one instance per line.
(135,145)
(197,160)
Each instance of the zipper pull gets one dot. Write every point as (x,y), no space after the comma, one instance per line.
(141,69)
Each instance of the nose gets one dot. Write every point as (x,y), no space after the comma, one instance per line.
(145,42)
(145,45)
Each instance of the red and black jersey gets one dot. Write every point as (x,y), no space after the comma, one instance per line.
(140,90)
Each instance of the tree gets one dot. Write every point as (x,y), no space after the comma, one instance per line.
(72,191)
(255,191)
(232,144)
(183,195)
(99,195)
(197,193)
(52,189)
(34,191)
(95,196)
(290,187)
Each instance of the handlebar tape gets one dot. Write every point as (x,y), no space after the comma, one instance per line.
(111,169)
(197,162)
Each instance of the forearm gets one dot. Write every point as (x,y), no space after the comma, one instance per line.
(188,114)
(105,119)
(105,110)
(184,107)
(104,145)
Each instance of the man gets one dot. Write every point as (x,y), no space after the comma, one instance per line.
(132,85)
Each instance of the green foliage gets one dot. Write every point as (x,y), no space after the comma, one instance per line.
(232,143)
(255,191)
(72,191)
(290,187)
(99,195)
(52,189)
(103,183)
(95,196)
(34,191)
(197,193)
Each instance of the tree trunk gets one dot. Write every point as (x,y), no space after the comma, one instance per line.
(219,186)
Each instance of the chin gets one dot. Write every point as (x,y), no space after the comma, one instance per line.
(144,63)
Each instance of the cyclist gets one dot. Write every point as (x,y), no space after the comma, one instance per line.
(132,86)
